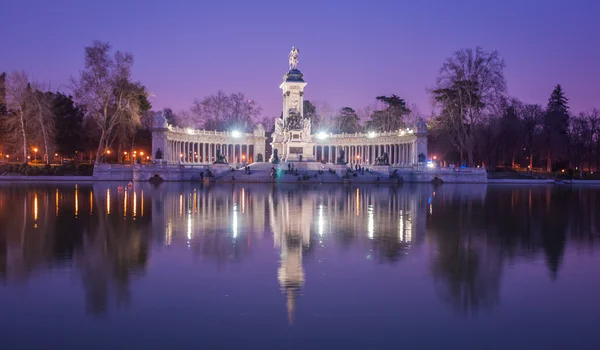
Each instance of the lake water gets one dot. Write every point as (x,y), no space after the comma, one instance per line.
(102,266)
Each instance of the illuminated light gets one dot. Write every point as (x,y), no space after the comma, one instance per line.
(402,133)
(358,156)
(372,134)
(134,203)
(322,135)
(479,166)
(371,221)
(35,149)
(189,131)
(410,131)
(243,156)
(56,154)
(142,154)
(125,153)
(107,151)
(108,201)
(563,170)
(76,200)
(430,164)
(236,133)
(35,207)
(125,204)
(434,157)
(28,157)
(148,157)
(181,155)
(235,221)
(91,201)
(7,156)
(56,201)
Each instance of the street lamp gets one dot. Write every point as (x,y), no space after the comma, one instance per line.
(35,154)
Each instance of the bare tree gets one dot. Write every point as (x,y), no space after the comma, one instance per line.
(105,91)
(17,98)
(41,101)
(531,118)
(222,112)
(468,90)
(593,118)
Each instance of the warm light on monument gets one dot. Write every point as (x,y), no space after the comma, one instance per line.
(236,133)
(322,135)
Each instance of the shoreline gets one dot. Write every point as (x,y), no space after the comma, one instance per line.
(80,178)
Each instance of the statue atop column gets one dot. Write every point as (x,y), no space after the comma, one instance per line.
(293,57)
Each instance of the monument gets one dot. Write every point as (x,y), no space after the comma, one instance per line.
(292,136)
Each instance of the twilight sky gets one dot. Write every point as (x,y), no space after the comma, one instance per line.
(350,51)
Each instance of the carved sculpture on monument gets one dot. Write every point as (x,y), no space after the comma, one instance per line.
(159,121)
(293,58)
(220,158)
(158,155)
(383,159)
(274,158)
(340,159)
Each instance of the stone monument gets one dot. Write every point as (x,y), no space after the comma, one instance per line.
(292,136)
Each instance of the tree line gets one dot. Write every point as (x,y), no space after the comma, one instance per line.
(475,121)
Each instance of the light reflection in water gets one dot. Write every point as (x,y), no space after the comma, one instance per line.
(56,201)
(401,227)
(142,204)
(371,221)
(357,202)
(134,203)
(321,221)
(243,199)
(76,200)
(91,201)
(235,220)
(125,204)
(35,206)
(107,201)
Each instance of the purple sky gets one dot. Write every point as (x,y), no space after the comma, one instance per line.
(350,51)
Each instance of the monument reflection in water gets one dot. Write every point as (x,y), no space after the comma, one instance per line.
(376,249)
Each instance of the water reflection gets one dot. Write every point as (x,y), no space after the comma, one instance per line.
(468,233)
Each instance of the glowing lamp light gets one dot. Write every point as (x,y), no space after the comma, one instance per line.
(358,157)
(35,149)
(434,157)
(322,135)
(430,164)
(7,156)
(141,153)
(189,131)
(108,151)
(125,153)
(236,133)
(243,157)
(56,154)
(372,134)
(181,155)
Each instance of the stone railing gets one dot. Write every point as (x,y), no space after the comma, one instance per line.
(190,131)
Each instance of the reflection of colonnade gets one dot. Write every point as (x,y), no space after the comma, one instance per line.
(402,147)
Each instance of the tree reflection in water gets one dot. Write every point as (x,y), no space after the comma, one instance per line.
(107,232)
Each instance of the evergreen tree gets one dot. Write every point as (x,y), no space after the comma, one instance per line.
(69,125)
(556,127)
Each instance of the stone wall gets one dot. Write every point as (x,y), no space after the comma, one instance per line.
(144,172)
(449,175)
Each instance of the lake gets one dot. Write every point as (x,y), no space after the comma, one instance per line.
(181,265)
